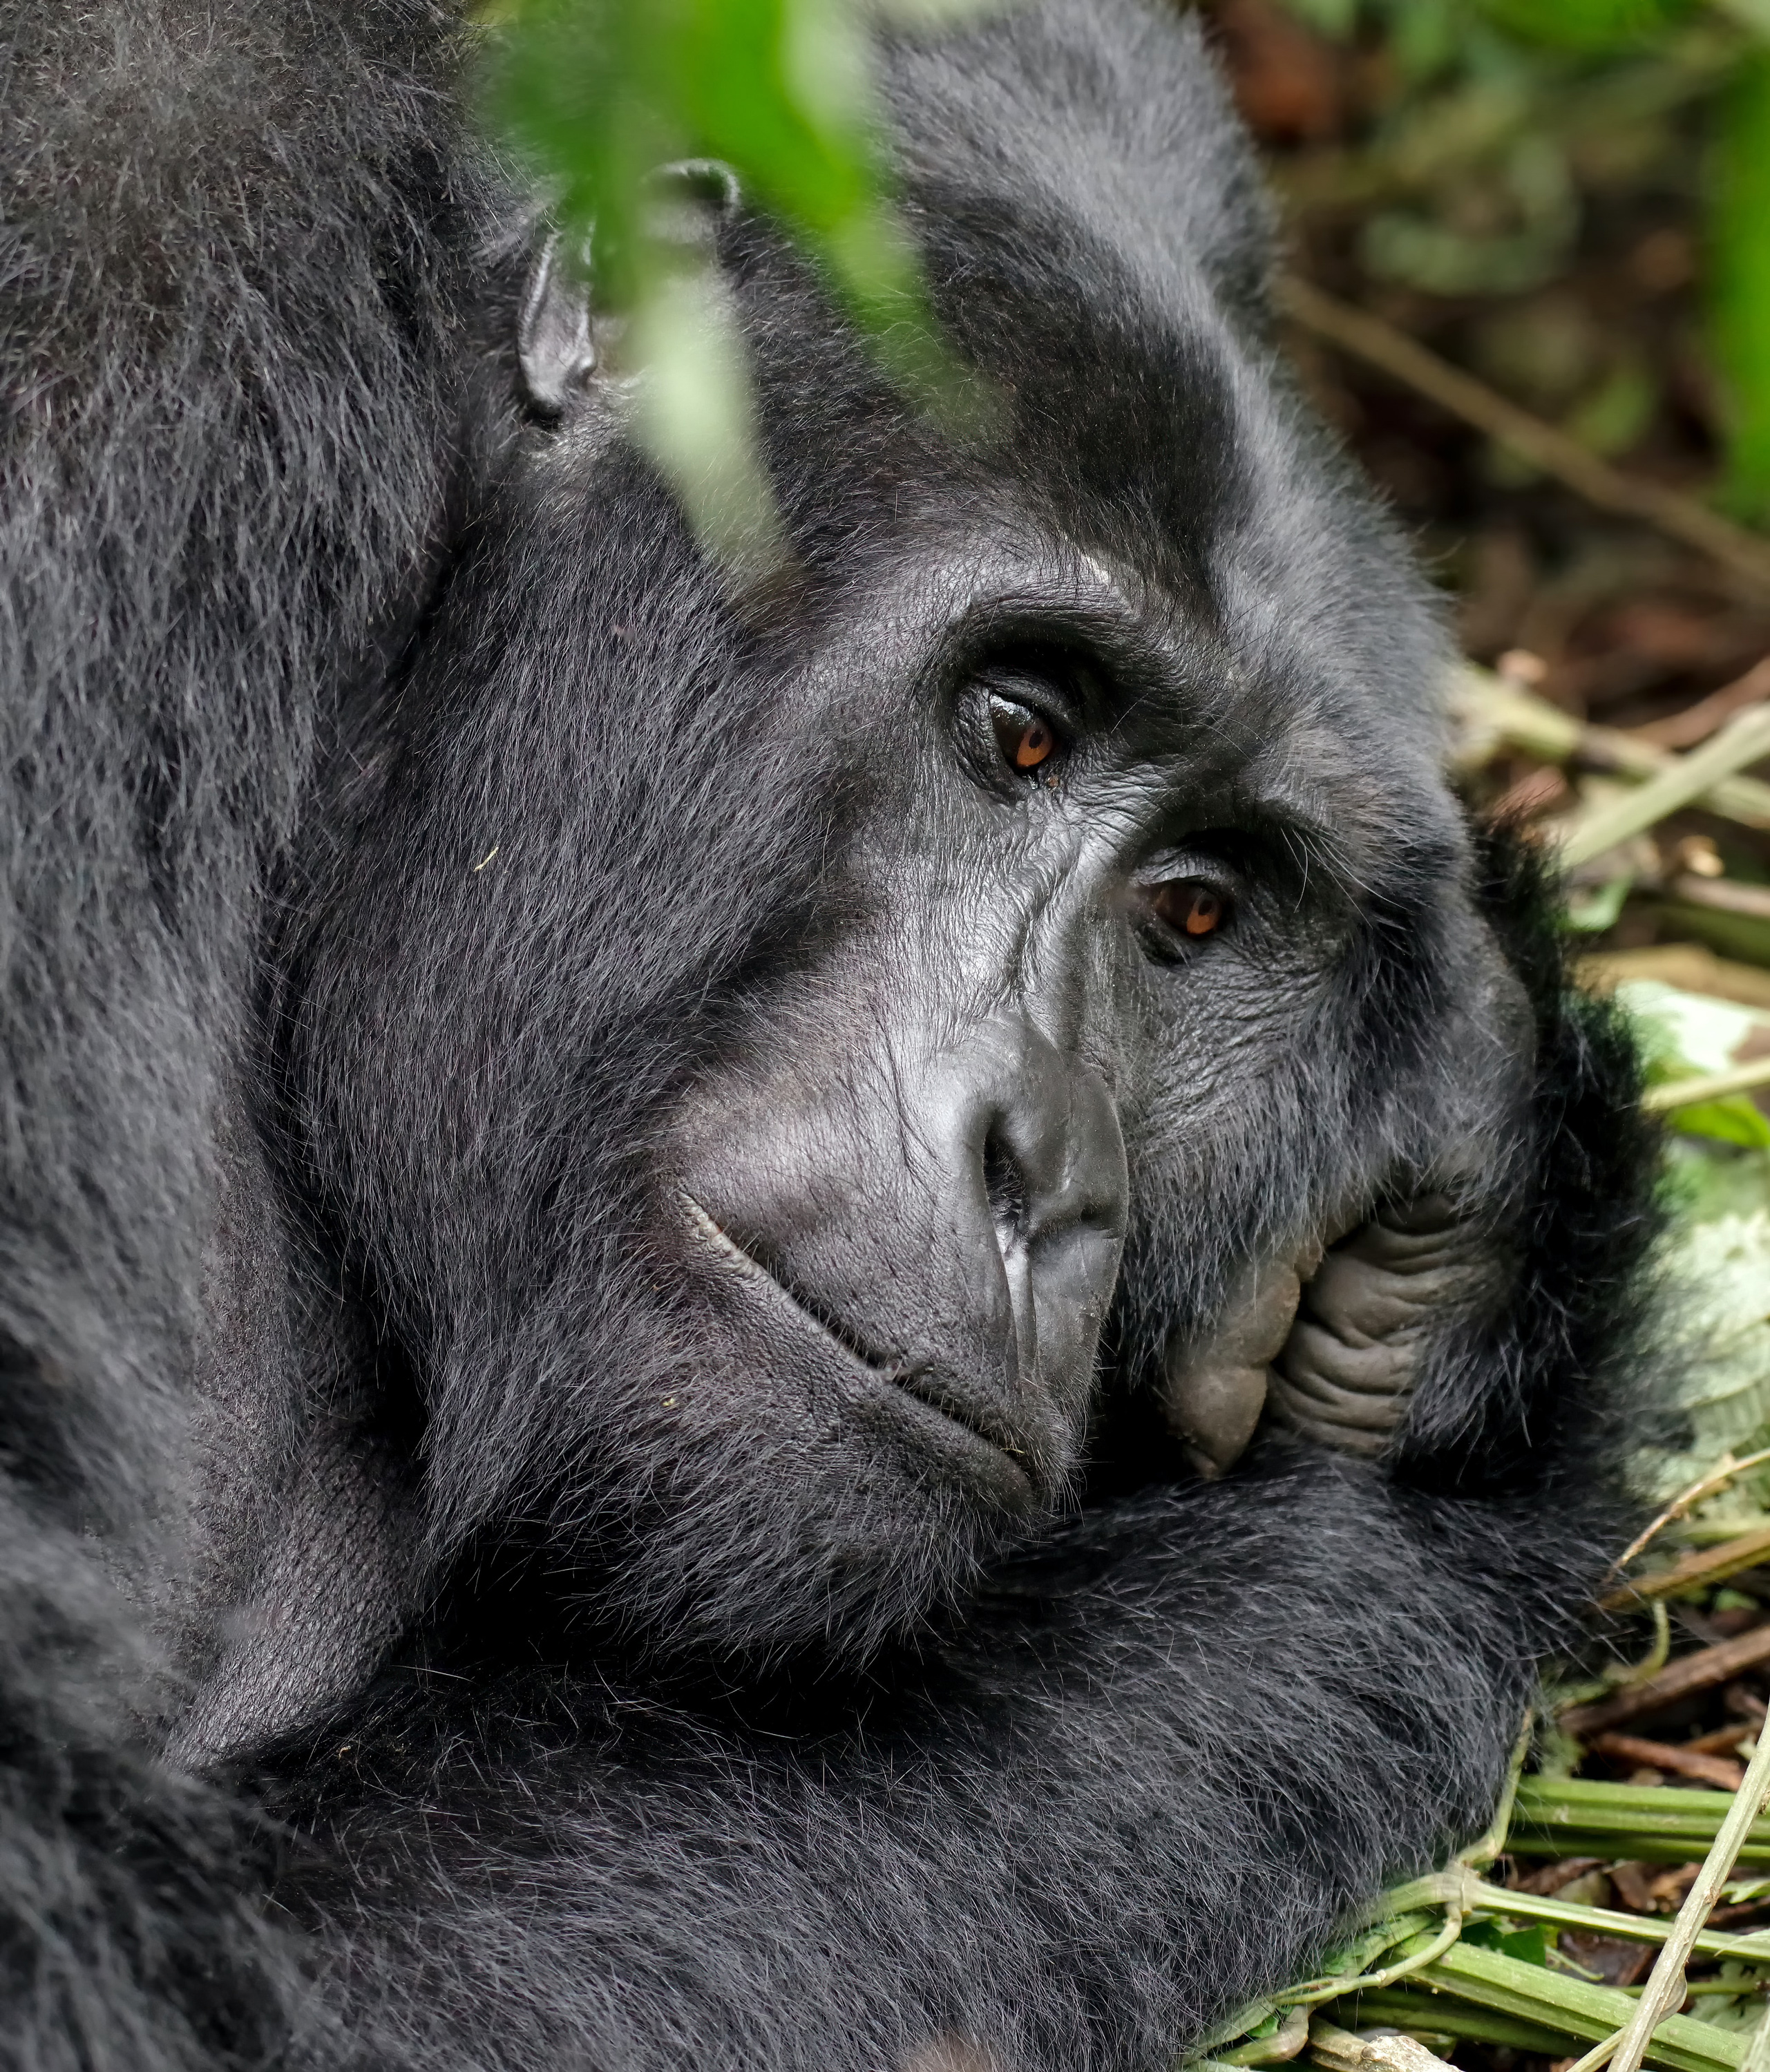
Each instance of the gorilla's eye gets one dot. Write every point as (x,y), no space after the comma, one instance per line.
(1187,907)
(1026,738)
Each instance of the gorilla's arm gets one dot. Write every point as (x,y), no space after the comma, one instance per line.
(1158,1763)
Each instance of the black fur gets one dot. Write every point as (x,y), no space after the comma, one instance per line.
(424,1640)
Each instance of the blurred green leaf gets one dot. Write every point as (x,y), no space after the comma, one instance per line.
(603,92)
(1733,1120)
(1585,25)
(1740,282)
(1598,910)
(1329,17)
(1742,936)
(1424,34)
(1685,1035)
(1616,414)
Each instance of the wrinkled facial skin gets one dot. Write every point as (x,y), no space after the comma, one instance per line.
(908,1192)
(774,1329)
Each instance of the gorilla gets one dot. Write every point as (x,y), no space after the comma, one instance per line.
(862,1314)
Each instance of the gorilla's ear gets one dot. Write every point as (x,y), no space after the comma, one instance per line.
(556,344)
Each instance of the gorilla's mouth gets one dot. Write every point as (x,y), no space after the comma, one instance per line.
(923,1387)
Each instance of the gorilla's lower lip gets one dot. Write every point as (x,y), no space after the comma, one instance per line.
(916,1383)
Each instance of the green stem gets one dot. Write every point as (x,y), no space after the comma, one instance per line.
(1478,1896)
(1529,1992)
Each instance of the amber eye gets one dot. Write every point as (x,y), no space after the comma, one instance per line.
(1025,738)
(1190,908)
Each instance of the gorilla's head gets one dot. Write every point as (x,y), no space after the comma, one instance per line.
(762,1040)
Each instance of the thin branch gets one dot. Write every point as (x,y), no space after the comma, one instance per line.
(1370,338)
(1712,1086)
(1705,1486)
(1495,713)
(1665,1990)
(1682,1678)
(1710,1564)
(1722,895)
(1743,740)
(1685,729)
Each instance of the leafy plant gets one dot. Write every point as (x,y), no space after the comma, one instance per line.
(596,96)
(1514,91)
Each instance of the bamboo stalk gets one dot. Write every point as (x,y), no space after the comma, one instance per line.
(1664,1992)
(1743,740)
(1528,1992)
(1644,1809)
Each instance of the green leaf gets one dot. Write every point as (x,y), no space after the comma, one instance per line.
(1734,1119)
(603,92)
(1600,909)
(1528,1946)
(596,96)
(1585,25)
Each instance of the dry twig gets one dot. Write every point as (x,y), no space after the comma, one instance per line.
(1708,1565)
(1712,1086)
(1664,1992)
(1682,1678)
(1743,740)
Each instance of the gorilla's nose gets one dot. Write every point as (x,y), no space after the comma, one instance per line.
(1037,1165)
(1040,1132)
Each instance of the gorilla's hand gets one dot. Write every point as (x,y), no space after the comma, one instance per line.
(1369,1316)
(1332,1344)
(1214,1393)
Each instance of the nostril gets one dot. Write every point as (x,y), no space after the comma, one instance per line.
(1005,1186)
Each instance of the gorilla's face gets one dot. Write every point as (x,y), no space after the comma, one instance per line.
(760,1046)
(747,1151)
